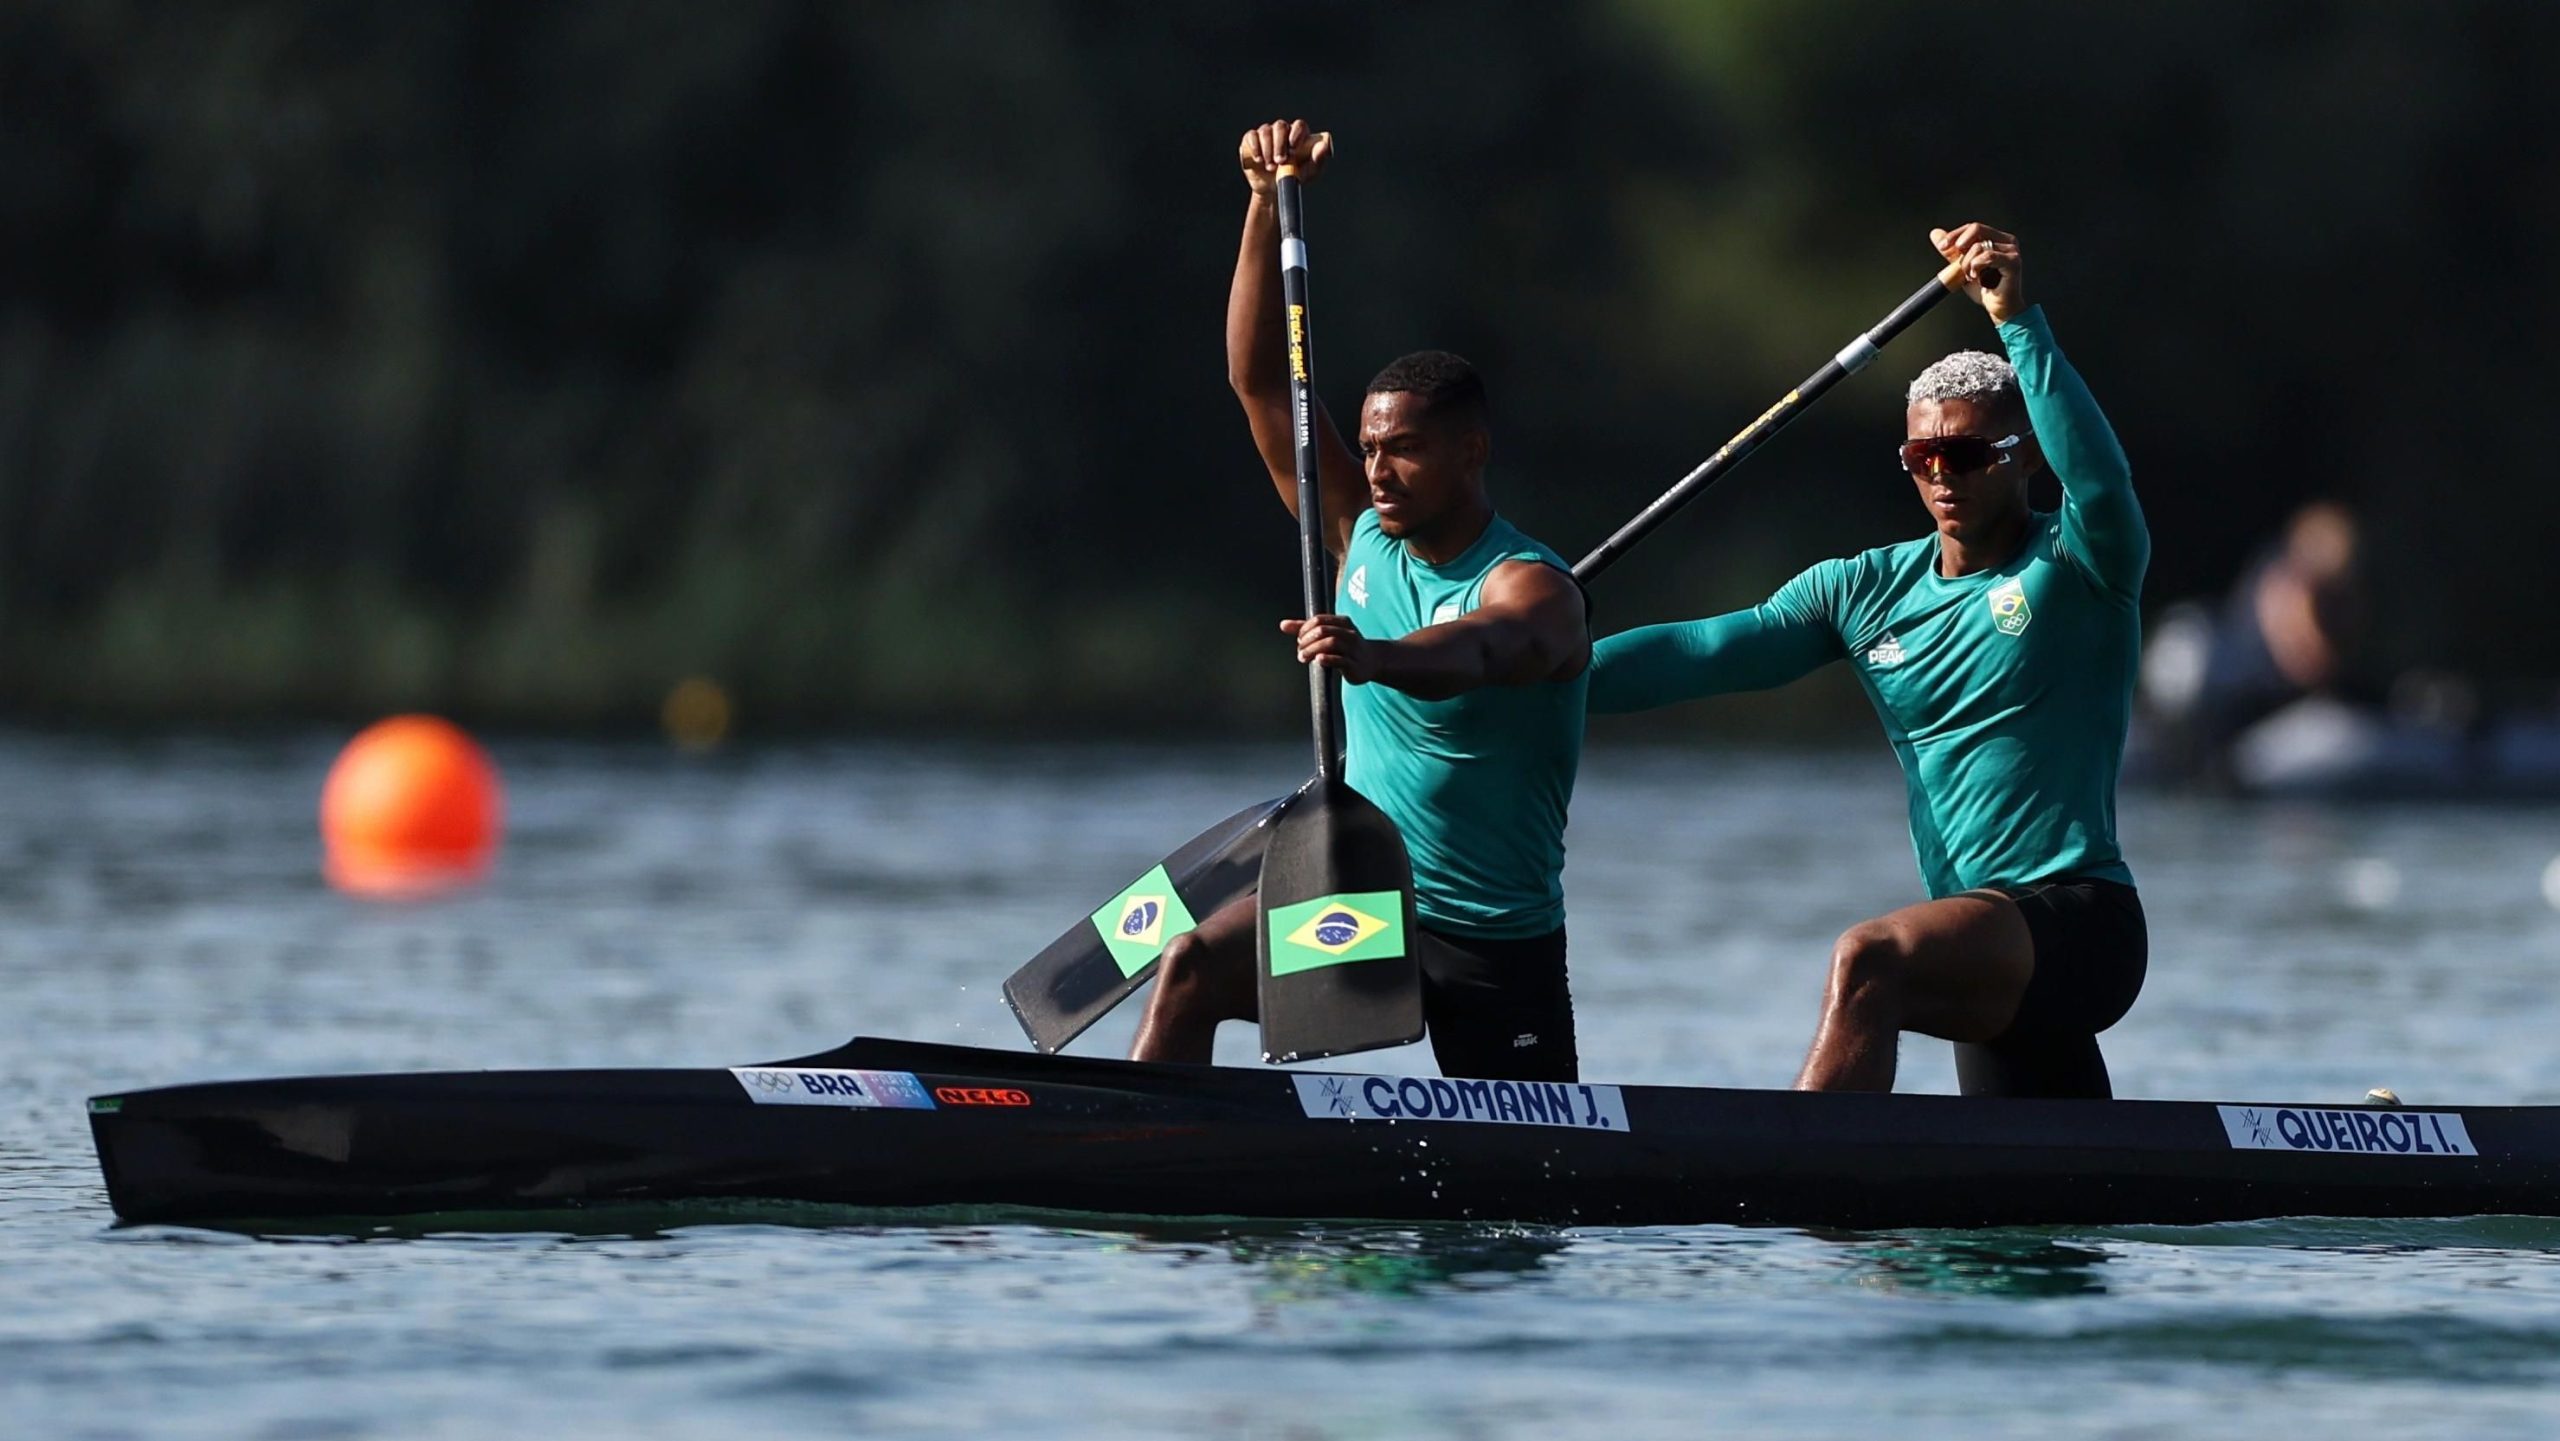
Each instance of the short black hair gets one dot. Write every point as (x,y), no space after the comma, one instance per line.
(1448,387)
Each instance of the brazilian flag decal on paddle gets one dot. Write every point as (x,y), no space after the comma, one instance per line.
(1137,924)
(1335,930)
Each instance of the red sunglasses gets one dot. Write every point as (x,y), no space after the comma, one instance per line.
(1955,454)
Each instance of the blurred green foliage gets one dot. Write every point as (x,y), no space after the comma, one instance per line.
(516,360)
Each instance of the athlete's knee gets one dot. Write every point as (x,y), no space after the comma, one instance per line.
(1868,966)
(1198,976)
(1184,964)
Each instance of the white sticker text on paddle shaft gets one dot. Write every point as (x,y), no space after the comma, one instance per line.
(2355,1130)
(1420,1098)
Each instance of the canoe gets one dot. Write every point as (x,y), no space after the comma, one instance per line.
(901,1125)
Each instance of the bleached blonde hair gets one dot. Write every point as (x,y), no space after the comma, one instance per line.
(1975,375)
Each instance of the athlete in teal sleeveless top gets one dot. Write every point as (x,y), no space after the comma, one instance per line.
(1478,782)
(1463,651)
(2000,652)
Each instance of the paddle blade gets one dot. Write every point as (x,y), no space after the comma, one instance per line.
(1335,933)
(1101,960)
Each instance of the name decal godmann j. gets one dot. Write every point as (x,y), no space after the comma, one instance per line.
(867,1090)
(2355,1131)
(1421,1098)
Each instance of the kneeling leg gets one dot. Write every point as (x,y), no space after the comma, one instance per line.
(1205,976)
(1954,968)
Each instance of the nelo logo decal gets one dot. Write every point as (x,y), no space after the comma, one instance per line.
(981,1096)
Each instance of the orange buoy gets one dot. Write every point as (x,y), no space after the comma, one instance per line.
(696,714)
(412,806)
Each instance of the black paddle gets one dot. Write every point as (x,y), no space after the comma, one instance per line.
(1077,978)
(1335,907)
(1081,975)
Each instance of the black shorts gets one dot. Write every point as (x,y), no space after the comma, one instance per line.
(2092,949)
(1499,1010)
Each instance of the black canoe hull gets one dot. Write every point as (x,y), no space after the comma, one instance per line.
(1051,1133)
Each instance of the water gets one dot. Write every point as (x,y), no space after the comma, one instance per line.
(161,920)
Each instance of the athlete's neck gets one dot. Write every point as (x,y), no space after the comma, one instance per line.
(1994,547)
(1453,534)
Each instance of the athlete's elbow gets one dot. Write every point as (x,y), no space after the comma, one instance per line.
(1256,384)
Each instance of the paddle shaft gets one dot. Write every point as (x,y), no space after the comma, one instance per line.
(1852,358)
(1315,571)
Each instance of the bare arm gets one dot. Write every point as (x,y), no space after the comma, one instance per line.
(1528,626)
(1258,335)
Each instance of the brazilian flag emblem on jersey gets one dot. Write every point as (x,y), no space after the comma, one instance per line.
(1140,922)
(1336,930)
(2009,608)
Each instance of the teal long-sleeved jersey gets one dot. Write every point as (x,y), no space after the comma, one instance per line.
(2006,693)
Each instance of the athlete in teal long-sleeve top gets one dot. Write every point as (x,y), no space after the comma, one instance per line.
(1463,652)
(2000,652)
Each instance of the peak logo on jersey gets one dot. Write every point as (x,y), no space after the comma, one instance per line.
(1887,652)
(1358,584)
(1137,924)
(2009,608)
(1335,930)
(1445,612)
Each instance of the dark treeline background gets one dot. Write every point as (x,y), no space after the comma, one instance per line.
(516,360)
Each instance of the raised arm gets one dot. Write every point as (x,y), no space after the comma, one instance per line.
(1258,332)
(1784,638)
(2102,527)
(1528,626)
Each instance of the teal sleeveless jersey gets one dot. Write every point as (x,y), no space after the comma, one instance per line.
(1478,783)
(2006,693)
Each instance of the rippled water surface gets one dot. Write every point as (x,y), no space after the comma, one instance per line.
(161,919)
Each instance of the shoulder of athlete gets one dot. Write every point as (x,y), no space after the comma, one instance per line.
(1849,577)
(1837,592)
(1546,600)
(1532,585)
